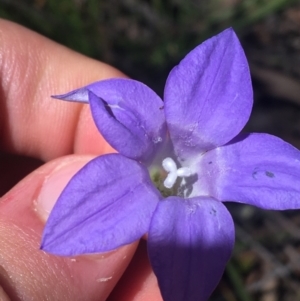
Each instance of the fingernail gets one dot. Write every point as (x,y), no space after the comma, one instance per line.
(54,184)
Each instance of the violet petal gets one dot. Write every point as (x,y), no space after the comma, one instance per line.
(256,169)
(107,204)
(189,244)
(128,114)
(208,96)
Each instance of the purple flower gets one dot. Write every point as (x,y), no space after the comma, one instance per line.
(178,161)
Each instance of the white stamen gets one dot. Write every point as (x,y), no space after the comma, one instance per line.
(184,172)
(170,167)
(170,180)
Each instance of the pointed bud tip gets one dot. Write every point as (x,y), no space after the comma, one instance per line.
(80,95)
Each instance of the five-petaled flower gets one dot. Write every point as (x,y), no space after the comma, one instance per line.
(179,160)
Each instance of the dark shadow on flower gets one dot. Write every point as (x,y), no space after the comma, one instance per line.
(188,272)
(240,137)
(186,189)
(108,108)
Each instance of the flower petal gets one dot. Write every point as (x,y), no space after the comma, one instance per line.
(128,114)
(107,204)
(208,96)
(256,169)
(189,244)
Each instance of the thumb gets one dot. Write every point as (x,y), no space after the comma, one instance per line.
(27,273)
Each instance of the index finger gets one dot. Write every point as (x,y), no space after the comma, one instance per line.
(32,69)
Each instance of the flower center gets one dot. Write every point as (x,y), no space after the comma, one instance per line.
(166,178)
(170,167)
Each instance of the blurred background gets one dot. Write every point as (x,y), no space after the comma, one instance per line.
(145,39)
